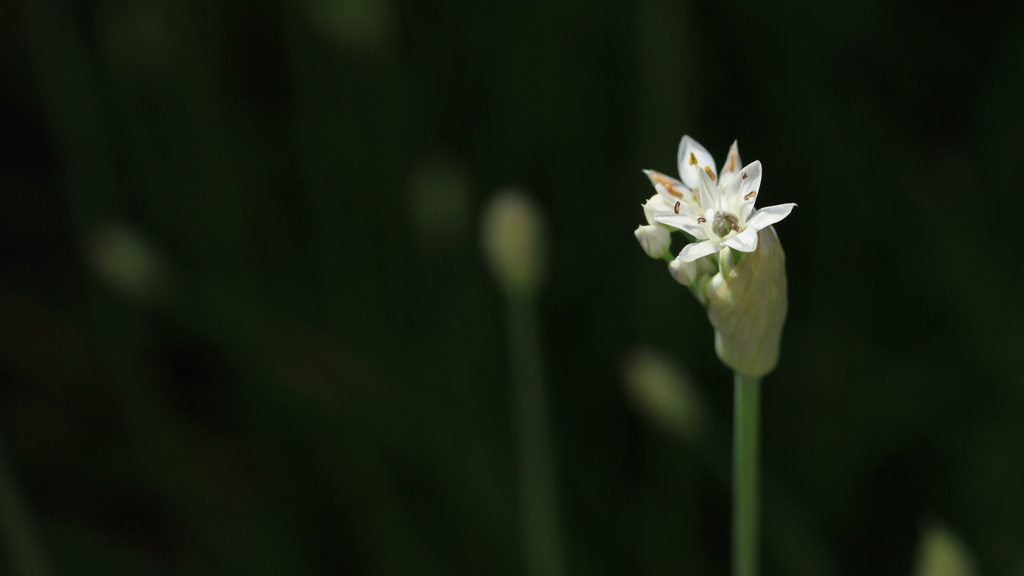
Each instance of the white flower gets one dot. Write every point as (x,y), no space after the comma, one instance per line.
(692,157)
(670,193)
(675,195)
(727,217)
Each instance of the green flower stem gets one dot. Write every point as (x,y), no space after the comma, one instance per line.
(25,554)
(746,422)
(541,539)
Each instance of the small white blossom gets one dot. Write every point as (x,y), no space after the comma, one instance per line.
(672,195)
(691,158)
(727,217)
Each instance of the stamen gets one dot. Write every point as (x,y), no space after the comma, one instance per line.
(701,220)
(667,184)
(744,175)
(693,160)
(750,195)
(677,207)
(710,173)
(732,162)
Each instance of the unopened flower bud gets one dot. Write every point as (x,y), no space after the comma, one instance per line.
(942,553)
(439,198)
(727,260)
(747,307)
(513,242)
(686,273)
(125,260)
(665,393)
(654,239)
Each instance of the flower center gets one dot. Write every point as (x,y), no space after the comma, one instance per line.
(725,222)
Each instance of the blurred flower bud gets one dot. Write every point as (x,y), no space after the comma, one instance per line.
(514,243)
(654,239)
(747,307)
(686,273)
(663,392)
(359,24)
(942,553)
(126,262)
(439,195)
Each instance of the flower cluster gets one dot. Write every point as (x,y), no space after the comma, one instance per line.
(715,209)
(733,262)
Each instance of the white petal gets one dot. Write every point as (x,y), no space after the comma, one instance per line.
(685,222)
(750,184)
(710,197)
(732,165)
(745,241)
(731,190)
(692,157)
(670,189)
(687,210)
(769,215)
(697,250)
(750,177)
(654,205)
(732,161)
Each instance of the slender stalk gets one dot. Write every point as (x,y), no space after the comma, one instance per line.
(541,540)
(25,554)
(746,472)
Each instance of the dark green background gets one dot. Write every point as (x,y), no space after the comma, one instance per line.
(315,379)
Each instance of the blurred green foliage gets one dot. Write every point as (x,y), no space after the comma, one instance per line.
(245,327)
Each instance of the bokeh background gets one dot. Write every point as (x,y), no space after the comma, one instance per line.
(246,326)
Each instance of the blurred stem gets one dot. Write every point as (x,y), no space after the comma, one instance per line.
(746,422)
(541,540)
(19,538)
